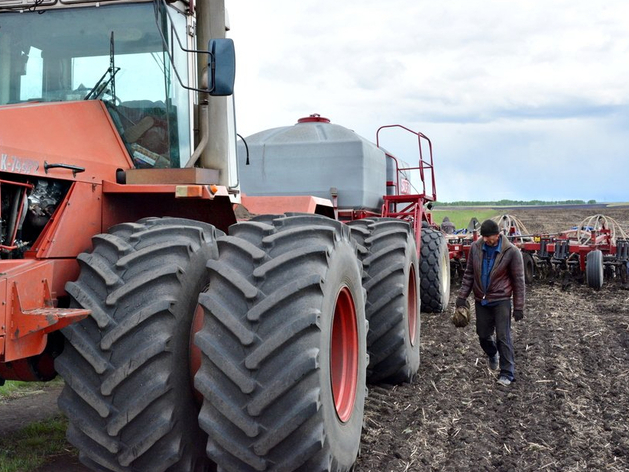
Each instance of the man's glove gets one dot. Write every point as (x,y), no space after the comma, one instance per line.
(518,315)
(462,302)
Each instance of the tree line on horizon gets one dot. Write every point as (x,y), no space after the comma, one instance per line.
(515,203)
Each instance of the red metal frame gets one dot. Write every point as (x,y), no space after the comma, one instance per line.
(423,167)
(546,245)
(410,206)
(350,215)
(601,241)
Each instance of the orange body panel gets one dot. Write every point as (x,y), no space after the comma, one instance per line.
(3,313)
(76,133)
(32,135)
(131,202)
(278,205)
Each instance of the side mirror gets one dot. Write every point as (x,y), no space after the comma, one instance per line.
(221,67)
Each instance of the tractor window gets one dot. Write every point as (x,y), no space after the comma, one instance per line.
(31,84)
(113,53)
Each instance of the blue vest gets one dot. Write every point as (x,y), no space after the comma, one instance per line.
(489,257)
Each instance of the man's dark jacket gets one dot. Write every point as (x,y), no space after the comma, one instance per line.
(506,277)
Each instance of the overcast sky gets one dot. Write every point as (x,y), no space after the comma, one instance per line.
(522,100)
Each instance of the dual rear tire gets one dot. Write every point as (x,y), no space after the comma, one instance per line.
(127,392)
(282,347)
(284,351)
(281,383)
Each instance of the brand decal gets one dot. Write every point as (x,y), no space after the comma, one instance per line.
(17,164)
(405,187)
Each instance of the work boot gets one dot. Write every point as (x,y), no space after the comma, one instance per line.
(494,362)
(504,381)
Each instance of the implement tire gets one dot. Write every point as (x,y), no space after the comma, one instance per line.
(391,279)
(434,271)
(594,273)
(283,347)
(529,267)
(128,390)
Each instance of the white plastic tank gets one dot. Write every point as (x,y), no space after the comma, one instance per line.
(310,158)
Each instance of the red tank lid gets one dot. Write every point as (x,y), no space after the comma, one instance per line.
(314,118)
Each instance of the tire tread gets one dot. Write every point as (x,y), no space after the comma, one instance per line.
(127,405)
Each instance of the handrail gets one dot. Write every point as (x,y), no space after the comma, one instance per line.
(422,164)
(169,48)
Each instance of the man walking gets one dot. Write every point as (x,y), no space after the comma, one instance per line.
(495,273)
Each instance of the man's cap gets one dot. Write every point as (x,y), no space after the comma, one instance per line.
(489,228)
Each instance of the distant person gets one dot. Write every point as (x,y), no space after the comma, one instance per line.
(447,226)
(495,273)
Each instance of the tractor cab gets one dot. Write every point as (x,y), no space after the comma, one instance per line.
(114,53)
(91,92)
(137,58)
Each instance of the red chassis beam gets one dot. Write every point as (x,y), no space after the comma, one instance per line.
(30,289)
(581,250)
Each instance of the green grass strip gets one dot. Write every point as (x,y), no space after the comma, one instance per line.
(16,388)
(30,447)
(461,218)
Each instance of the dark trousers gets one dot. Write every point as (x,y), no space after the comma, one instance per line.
(497,318)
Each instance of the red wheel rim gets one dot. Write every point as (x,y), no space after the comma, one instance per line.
(412,307)
(344,355)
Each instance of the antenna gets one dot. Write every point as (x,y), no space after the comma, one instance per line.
(112,65)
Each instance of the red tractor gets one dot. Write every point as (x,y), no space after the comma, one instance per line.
(187,340)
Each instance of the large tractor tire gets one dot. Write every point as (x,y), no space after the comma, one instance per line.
(128,390)
(391,279)
(594,269)
(283,347)
(434,271)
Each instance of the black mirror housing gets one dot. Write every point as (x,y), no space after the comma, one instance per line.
(221,67)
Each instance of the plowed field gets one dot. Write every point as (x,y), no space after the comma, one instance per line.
(567,410)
